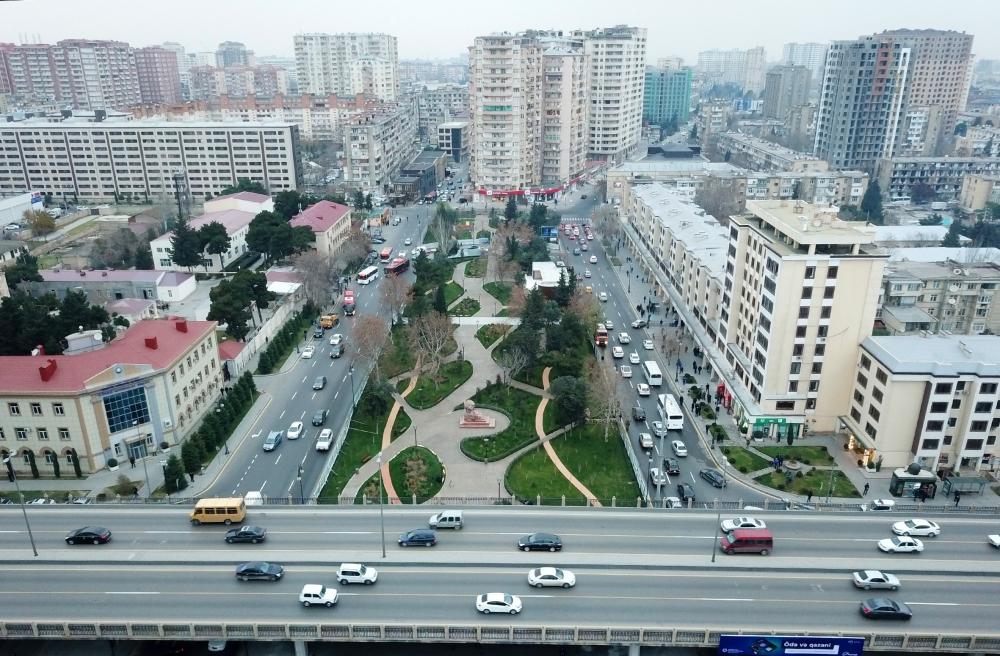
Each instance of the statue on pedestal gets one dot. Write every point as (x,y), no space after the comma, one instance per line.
(475,419)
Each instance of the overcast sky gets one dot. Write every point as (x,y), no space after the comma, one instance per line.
(444,28)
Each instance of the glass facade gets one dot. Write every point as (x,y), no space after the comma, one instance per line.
(124,407)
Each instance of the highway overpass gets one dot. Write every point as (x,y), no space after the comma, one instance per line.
(644,578)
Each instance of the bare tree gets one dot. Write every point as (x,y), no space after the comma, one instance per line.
(515,306)
(429,335)
(671,343)
(604,404)
(512,361)
(355,248)
(319,274)
(586,308)
(394,291)
(721,198)
(370,334)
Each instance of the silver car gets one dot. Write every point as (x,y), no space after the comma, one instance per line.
(874,579)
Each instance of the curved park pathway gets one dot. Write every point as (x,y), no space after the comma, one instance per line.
(550,450)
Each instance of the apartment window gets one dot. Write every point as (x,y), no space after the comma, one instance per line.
(865,362)
(870,431)
(36,409)
(935,425)
(831,273)
(820,350)
(21,433)
(939,406)
(813,385)
(807,292)
(952,422)
(974,445)
(874,413)
(817,367)
(793,386)
(800,331)
(856,415)
(64,434)
(14,409)
(947,440)
(859,397)
(803,313)
(988,388)
(977,426)
(828,292)
(797,350)
(810,404)
(810,272)
(930,444)
(784,405)
(58,410)
(43,433)
(942,388)
(862,380)
(824,312)
(956,404)
(984,406)
(795,368)
(2,435)
(173,376)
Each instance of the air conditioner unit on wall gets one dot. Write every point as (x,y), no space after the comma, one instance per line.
(167,423)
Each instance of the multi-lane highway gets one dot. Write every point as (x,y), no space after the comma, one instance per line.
(651,568)
(290,396)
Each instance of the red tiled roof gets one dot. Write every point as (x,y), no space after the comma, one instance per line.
(22,374)
(230,348)
(321,216)
(247,195)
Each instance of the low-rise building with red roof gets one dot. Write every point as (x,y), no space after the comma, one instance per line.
(98,400)
(330,222)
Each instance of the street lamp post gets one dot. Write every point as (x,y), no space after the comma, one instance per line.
(414,437)
(350,371)
(24,511)
(718,513)
(218,411)
(302,495)
(145,470)
(381,507)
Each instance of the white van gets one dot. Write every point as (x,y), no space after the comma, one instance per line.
(446,519)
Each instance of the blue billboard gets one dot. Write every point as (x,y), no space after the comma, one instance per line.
(550,231)
(755,645)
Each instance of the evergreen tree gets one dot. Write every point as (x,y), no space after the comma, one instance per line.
(185,245)
(951,239)
(25,268)
(286,203)
(212,237)
(871,203)
(510,210)
(563,295)
(440,302)
(191,454)
(144,258)
(173,476)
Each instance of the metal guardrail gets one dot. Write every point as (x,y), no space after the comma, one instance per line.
(468,633)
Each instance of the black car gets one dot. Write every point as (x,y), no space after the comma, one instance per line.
(714,477)
(89,535)
(319,417)
(881,608)
(251,534)
(685,492)
(418,537)
(259,570)
(672,466)
(319,383)
(638,414)
(539,542)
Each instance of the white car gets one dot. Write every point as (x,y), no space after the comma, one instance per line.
(407,241)
(603,297)
(642,389)
(646,440)
(617,352)
(315,595)
(294,431)
(561,264)
(657,476)
(325,439)
(356,573)
(586,273)
(498,602)
(920,527)
(336,338)
(551,577)
(308,351)
(624,338)
(593,259)
(673,502)
(415,252)
(626,371)
(879,504)
(994,540)
(590,236)
(741,522)
(658,428)
(609,324)
(872,578)
(679,449)
(634,357)
(901,544)
(647,344)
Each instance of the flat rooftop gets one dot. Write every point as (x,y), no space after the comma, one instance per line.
(808,224)
(675,166)
(937,355)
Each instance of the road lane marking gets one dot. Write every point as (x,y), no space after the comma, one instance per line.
(281,415)
(137,592)
(294,394)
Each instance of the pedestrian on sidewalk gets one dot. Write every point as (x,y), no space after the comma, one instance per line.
(131,461)
(958,497)
(865,491)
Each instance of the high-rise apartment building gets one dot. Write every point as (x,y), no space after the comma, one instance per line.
(441,103)
(564,110)
(744,68)
(347,64)
(83,73)
(810,55)
(667,94)
(159,76)
(6,86)
(785,87)
(210,82)
(233,53)
(617,71)
(183,66)
(801,294)
(377,143)
(861,101)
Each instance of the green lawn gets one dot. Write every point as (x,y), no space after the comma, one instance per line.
(549,417)
(533,475)
(490,333)
(452,291)
(397,357)
(530,375)
(467,307)
(476,268)
(810,455)
(816,480)
(429,391)
(603,467)
(499,290)
(743,460)
(361,445)
(520,406)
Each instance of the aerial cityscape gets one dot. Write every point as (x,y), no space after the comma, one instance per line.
(667,332)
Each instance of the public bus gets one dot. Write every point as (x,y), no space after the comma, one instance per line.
(385,255)
(368,274)
(670,412)
(397,266)
(601,336)
(652,372)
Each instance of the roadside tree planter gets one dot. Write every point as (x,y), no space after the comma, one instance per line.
(112,464)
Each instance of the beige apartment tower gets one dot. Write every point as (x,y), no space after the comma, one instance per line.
(801,293)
